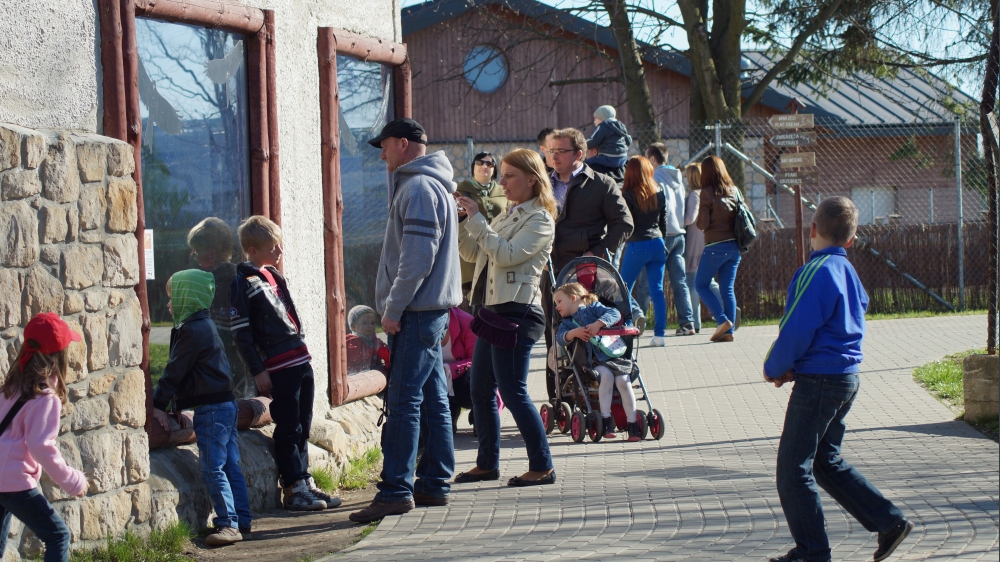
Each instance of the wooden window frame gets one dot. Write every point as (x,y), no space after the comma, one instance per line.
(120,62)
(330,43)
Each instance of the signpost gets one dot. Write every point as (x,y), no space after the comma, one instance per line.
(806,177)
(798,160)
(784,140)
(792,121)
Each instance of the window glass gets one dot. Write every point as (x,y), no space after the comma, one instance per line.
(366,105)
(485,69)
(876,205)
(195,164)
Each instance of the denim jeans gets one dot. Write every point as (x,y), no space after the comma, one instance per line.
(31,507)
(219,456)
(722,258)
(291,409)
(505,370)
(809,455)
(678,280)
(696,299)
(651,256)
(417,395)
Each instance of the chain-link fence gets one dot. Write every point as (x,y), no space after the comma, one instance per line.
(910,182)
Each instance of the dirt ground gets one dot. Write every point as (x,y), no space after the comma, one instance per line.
(294,536)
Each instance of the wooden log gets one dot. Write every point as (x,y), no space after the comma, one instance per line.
(206,13)
(259,144)
(333,209)
(404,90)
(181,431)
(363,384)
(109,13)
(366,48)
(271,84)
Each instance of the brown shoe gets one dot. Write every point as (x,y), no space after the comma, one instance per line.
(428,500)
(723,329)
(223,536)
(379,509)
(723,338)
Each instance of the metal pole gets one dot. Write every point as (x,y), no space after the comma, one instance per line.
(718,139)
(697,156)
(961,214)
(470,150)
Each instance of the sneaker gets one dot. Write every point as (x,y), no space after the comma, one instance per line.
(379,509)
(330,501)
(657,341)
(427,500)
(888,541)
(685,330)
(246,533)
(609,428)
(640,323)
(633,432)
(297,497)
(223,536)
(791,556)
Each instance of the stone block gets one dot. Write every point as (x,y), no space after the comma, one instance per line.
(102,457)
(53,224)
(91,158)
(122,215)
(73,303)
(124,336)
(76,357)
(981,374)
(20,184)
(82,266)
(91,206)
(71,454)
(10,148)
(72,224)
(121,161)
(34,149)
(42,292)
(128,401)
(142,503)
(95,300)
(137,456)
(104,515)
(60,178)
(121,261)
(100,384)
(116,298)
(95,332)
(91,414)
(70,513)
(19,231)
(4,360)
(329,436)
(10,299)
(92,236)
(50,254)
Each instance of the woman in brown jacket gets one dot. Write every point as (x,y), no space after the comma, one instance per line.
(716,217)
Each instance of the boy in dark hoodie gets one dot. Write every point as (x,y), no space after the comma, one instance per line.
(607,148)
(197,376)
(819,347)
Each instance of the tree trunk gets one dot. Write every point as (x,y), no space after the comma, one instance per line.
(645,129)
(987,105)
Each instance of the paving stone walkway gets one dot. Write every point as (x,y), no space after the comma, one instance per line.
(706,490)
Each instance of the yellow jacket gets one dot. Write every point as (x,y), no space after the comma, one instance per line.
(516,246)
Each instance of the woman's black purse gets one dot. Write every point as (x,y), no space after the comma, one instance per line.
(500,332)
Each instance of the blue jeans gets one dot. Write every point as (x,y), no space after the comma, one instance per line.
(219,456)
(722,258)
(505,370)
(696,299)
(651,256)
(31,507)
(678,280)
(291,409)
(809,454)
(417,395)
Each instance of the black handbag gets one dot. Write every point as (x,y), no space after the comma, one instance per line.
(498,331)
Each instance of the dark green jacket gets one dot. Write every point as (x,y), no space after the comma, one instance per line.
(492,203)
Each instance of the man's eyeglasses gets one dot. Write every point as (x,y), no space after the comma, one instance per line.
(486,163)
(560,151)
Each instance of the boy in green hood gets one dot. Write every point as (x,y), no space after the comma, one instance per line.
(197,376)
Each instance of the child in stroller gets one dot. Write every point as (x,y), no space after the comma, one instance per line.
(583,317)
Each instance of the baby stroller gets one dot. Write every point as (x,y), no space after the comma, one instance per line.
(576,408)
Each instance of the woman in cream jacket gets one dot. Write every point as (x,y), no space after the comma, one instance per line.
(510,254)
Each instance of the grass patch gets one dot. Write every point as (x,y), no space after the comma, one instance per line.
(369,528)
(324,478)
(944,380)
(161,546)
(158,356)
(361,471)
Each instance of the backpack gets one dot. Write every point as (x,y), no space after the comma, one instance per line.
(745,225)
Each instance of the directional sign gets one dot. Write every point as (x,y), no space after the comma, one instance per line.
(795,121)
(807,138)
(798,160)
(809,177)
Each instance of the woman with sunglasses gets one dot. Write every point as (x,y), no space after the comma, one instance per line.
(482,188)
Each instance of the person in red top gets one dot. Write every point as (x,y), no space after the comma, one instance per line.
(363,344)
(31,399)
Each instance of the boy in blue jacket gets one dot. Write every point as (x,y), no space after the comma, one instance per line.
(819,347)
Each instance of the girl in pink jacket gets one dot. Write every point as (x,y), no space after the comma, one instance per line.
(31,398)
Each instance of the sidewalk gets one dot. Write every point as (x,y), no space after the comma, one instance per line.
(706,491)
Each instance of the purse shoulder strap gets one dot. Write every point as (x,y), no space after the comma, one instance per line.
(11,414)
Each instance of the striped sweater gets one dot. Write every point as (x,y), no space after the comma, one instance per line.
(824,321)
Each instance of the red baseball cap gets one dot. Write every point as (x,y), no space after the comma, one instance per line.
(51,333)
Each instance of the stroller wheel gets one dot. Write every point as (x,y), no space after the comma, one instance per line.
(548,418)
(595,427)
(640,418)
(656,424)
(578,426)
(563,416)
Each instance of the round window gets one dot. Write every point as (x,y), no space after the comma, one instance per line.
(485,69)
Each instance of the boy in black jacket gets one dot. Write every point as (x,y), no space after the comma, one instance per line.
(268,335)
(197,376)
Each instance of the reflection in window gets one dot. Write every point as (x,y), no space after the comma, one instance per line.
(365,107)
(195,162)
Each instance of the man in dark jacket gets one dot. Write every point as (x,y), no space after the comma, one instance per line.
(593,217)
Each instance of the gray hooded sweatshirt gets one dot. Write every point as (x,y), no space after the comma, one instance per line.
(419,269)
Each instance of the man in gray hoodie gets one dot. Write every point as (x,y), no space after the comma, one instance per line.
(419,279)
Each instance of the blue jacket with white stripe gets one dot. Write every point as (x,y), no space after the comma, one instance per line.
(824,320)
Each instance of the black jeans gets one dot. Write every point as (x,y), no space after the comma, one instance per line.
(550,377)
(291,409)
(31,507)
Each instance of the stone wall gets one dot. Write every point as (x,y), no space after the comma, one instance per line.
(981,385)
(67,215)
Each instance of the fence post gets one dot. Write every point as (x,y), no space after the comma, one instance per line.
(961,214)
(470,151)
(930,197)
(718,139)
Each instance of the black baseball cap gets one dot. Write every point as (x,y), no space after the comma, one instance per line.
(404,128)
